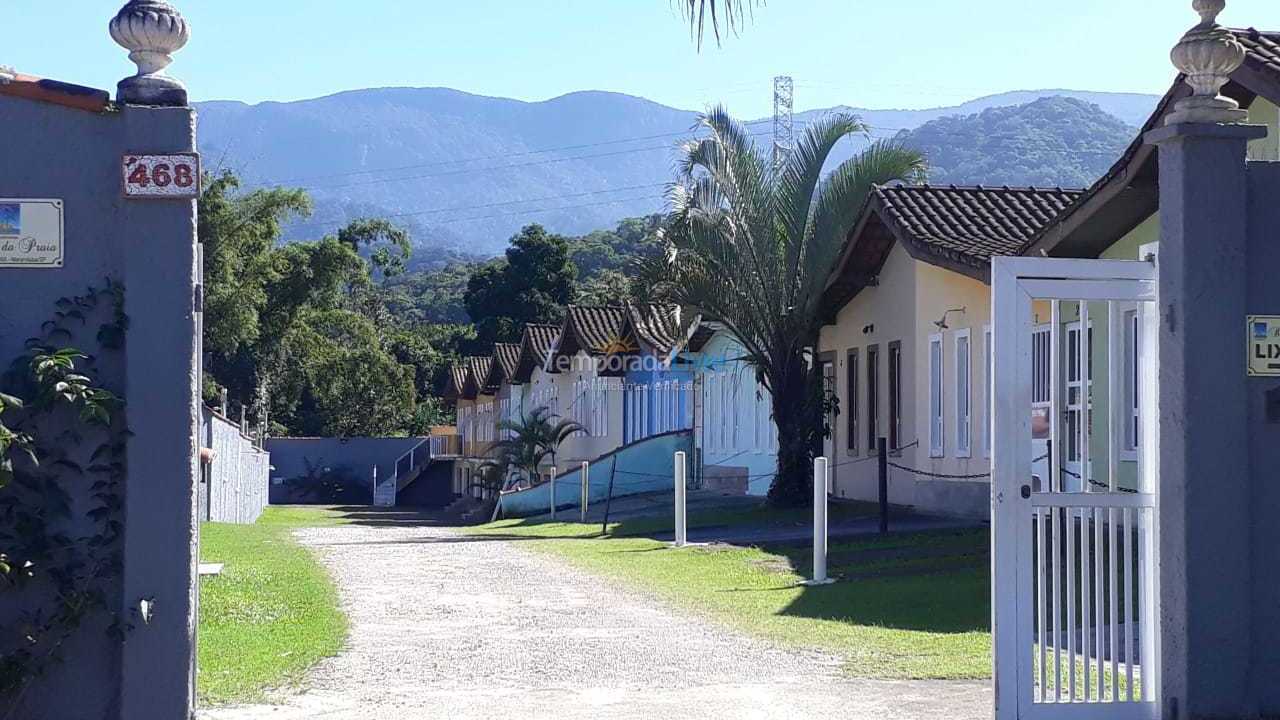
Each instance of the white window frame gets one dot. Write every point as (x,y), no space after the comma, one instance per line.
(988,388)
(937,400)
(1130,413)
(963,405)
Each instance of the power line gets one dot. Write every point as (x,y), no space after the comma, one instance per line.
(461,208)
(551,209)
(498,156)
(465,171)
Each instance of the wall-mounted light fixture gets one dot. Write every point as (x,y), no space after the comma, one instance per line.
(942,324)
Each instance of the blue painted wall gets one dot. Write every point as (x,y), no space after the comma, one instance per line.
(646,466)
(52,151)
(355,457)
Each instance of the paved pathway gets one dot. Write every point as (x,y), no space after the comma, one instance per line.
(455,627)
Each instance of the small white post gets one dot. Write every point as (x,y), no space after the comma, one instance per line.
(586,489)
(819,522)
(553,492)
(680,486)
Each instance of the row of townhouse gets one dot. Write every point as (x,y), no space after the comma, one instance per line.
(626,374)
(907,348)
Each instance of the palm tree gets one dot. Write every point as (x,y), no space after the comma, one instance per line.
(726,14)
(534,438)
(751,244)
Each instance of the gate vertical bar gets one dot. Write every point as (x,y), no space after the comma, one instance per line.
(1042,577)
(1086,395)
(1127,548)
(1070,562)
(1149,473)
(1055,397)
(1099,609)
(1112,581)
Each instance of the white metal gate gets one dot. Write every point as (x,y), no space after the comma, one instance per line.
(1075,568)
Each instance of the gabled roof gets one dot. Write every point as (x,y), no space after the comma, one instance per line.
(457,384)
(655,328)
(15,84)
(1129,192)
(502,367)
(957,228)
(477,372)
(594,329)
(535,347)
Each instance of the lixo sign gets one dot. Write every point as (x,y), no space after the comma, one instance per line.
(168,177)
(1264,345)
(31,233)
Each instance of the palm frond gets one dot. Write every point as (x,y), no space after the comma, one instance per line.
(841,198)
(726,15)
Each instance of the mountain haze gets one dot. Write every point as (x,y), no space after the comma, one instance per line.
(464,172)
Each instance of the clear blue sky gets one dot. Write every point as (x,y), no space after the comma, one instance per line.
(908,53)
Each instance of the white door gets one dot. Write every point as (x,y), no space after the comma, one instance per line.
(1077,398)
(1074,565)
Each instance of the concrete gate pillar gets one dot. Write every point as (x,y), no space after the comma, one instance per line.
(1205,502)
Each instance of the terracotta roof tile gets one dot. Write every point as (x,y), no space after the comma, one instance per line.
(502,368)
(1262,49)
(457,385)
(594,329)
(477,372)
(52,91)
(657,326)
(972,224)
(535,345)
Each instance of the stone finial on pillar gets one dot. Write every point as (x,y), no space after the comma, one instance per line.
(1207,55)
(151,30)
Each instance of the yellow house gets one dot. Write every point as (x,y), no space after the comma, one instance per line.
(907,343)
(1117,218)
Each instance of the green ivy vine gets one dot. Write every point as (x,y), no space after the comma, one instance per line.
(62,470)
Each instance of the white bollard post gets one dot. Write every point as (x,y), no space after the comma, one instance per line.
(819,522)
(680,486)
(553,492)
(586,489)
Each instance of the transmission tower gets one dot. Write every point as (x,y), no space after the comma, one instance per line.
(784,90)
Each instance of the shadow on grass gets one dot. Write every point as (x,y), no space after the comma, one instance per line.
(933,582)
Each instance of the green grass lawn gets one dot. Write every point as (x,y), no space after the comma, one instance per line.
(906,606)
(271,614)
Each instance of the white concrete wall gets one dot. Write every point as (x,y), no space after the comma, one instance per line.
(735,429)
(234,487)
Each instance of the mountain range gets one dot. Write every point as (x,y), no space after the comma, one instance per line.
(464,172)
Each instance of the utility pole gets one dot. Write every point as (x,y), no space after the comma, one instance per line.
(784,92)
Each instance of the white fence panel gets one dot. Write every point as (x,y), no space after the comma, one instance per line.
(234,484)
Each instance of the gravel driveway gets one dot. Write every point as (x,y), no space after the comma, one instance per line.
(447,625)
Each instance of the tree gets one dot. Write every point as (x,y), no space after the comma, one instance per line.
(753,247)
(532,286)
(304,325)
(239,234)
(534,438)
(388,245)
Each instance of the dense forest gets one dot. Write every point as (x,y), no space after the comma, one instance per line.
(342,336)
(1051,142)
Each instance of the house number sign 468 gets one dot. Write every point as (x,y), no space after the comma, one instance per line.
(174,177)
